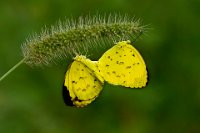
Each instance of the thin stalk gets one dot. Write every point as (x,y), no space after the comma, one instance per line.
(12,69)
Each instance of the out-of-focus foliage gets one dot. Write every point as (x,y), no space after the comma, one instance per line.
(30,99)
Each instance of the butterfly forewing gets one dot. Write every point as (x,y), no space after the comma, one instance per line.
(123,65)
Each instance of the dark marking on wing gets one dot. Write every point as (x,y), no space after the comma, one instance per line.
(87,86)
(74,82)
(90,74)
(81,77)
(76,99)
(78,89)
(66,96)
(128,67)
(120,63)
(148,76)
(110,58)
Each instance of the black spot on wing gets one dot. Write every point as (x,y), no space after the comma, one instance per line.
(66,96)
(108,73)
(74,82)
(120,63)
(76,99)
(128,67)
(109,58)
(113,72)
(81,77)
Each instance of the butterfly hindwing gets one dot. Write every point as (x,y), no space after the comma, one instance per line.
(82,84)
(123,65)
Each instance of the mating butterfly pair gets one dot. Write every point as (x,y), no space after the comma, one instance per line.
(120,65)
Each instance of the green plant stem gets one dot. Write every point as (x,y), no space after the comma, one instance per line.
(12,69)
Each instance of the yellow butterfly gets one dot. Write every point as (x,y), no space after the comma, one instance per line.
(120,65)
(81,85)
(123,65)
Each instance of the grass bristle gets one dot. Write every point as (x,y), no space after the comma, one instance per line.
(71,37)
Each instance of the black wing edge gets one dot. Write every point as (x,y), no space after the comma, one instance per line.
(148,76)
(66,96)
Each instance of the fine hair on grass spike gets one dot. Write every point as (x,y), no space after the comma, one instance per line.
(70,37)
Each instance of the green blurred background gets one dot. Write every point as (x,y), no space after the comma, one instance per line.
(31,101)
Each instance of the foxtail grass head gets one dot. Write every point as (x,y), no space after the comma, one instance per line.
(81,36)
(78,36)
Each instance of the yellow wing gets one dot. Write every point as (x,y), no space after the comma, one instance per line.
(123,65)
(81,85)
(92,65)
